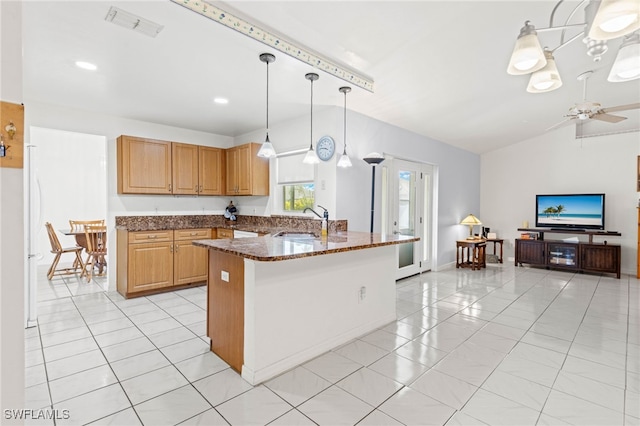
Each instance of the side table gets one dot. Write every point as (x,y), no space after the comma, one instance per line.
(470,254)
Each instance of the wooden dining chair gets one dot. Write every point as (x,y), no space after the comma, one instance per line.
(96,236)
(58,250)
(78,225)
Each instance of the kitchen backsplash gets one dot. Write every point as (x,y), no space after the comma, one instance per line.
(265,224)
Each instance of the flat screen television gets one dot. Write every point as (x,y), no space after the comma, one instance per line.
(570,211)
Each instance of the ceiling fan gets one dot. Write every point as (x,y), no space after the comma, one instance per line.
(588,110)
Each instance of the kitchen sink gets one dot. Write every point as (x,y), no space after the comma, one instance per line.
(293,235)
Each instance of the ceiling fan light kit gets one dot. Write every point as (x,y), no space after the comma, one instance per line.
(604,20)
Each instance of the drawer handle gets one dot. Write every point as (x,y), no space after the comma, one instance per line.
(152,236)
(194,233)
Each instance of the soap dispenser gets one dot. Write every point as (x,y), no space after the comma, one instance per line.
(325,222)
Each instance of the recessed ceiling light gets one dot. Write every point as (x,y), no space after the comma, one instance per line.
(86,66)
(221,101)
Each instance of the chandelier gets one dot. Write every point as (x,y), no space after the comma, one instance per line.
(604,20)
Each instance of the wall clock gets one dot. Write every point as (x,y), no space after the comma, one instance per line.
(325,148)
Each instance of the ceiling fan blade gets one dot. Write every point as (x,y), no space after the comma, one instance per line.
(560,124)
(622,108)
(608,117)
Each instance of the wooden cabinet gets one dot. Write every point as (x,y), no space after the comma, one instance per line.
(577,257)
(210,171)
(224,233)
(190,263)
(638,270)
(530,251)
(246,173)
(144,166)
(153,261)
(148,166)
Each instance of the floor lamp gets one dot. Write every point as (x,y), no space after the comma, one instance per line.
(374,159)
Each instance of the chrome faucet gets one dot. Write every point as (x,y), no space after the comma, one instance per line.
(325,214)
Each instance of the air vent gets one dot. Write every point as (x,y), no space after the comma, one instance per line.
(133,22)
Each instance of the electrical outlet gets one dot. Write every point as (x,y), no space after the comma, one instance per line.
(224,276)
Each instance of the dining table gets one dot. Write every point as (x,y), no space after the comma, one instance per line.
(81,240)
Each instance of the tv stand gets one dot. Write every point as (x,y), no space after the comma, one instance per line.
(572,256)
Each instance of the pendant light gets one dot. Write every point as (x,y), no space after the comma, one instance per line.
(344,160)
(311,157)
(267,150)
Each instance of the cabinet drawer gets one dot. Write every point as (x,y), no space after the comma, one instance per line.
(192,234)
(150,236)
(225,233)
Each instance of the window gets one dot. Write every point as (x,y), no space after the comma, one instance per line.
(298,197)
(297,182)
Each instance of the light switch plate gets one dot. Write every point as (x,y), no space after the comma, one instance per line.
(224,276)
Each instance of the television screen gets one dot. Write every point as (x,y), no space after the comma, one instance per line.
(570,211)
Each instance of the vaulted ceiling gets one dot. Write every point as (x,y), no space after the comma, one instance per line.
(439,67)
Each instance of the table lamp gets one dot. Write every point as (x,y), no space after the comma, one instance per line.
(470,220)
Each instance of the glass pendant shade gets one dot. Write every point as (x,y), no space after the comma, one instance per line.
(615,18)
(311,157)
(267,150)
(545,79)
(344,160)
(626,67)
(527,55)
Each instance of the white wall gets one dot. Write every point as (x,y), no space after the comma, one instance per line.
(12,236)
(558,163)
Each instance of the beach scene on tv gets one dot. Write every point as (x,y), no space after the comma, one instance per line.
(574,210)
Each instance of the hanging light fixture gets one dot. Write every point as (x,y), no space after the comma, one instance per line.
(603,20)
(267,150)
(311,157)
(547,78)
(626,67)
(344,160)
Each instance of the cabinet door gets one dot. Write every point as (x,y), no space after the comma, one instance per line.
(210,171)
(190,263)
(530,251)
(562,254)
(144,166)
(243,170)
(150,266)
(185,168)
(231,162)
(600,257)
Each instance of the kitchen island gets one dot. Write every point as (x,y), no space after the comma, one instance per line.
(275,302)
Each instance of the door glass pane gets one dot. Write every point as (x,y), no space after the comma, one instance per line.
(406,214)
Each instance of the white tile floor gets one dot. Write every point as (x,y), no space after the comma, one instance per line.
(501,346)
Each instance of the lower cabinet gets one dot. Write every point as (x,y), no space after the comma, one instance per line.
(582,257)
(153,261)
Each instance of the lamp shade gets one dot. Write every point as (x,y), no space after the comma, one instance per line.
(545,79)
(527,55)
(626,67)
(615,18)
(471,220)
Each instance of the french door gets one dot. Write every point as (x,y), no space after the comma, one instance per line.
(409,201)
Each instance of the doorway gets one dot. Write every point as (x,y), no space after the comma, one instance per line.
(66,178)
(409,211)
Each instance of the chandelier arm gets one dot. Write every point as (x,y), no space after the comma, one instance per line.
(575,37)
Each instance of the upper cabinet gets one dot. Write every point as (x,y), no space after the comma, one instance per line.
(247,174)
(147,166)
(144,166)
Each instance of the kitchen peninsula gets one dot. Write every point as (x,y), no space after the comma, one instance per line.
(277,301)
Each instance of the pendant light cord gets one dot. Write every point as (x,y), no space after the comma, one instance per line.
(267,99)
(344,152)
(311,136)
